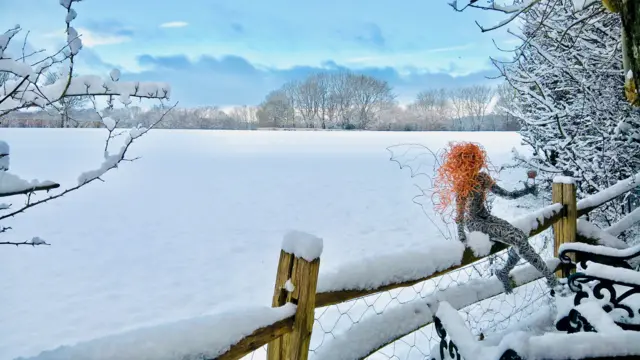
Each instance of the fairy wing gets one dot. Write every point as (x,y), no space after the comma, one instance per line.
(423,164)
(417,157)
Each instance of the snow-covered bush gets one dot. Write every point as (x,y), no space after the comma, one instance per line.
(24,85)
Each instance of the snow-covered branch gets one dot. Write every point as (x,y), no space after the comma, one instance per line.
(513,11)
(28,87)
(25,85)
(627,12)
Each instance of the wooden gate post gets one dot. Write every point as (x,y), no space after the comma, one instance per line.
(565,230)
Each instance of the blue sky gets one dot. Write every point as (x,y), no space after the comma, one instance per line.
(230,52)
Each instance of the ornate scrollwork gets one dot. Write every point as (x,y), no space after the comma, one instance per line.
(604,289)
(574,322)
(450,348)
(510,355)
(585,256)
(446,346)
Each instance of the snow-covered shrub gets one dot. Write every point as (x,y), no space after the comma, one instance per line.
(24,85)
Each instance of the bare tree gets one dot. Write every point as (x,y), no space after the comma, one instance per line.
(26,89)
(276,110)
(424,108)
(432,108)
(370,96)
(458,100)
(66,105)
(505,105)
(306,97)
(477,99)
(246,115)
(344,100)
(342,94)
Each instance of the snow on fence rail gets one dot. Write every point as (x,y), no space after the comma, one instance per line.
(375,332)
(371,276)
(598,199)
(224,336)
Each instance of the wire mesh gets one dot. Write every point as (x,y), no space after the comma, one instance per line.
(488,316)
(485,317)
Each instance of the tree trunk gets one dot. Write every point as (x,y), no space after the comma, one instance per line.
(630,15)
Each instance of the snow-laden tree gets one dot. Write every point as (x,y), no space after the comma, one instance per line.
(568,82)
(25,86)
(627,12)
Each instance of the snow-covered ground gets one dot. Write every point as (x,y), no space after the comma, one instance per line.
(195,226)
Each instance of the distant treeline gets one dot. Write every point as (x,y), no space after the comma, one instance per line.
(337,101)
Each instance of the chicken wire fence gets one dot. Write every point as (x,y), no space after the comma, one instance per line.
(485,317)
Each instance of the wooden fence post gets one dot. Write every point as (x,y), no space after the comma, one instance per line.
(305,279)
(276,349)
(565,230)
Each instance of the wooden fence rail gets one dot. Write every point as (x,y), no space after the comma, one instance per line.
(289,339)
(335,297)
(259,338)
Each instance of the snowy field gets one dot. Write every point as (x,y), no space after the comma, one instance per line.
(195,225)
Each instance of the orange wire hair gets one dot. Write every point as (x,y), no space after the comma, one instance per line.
(456,178)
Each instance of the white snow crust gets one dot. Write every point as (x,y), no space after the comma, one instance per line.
(609,193)
(191,339)
(479,243)
(564,180)
(591,231)
(374,272)
(10,183)
(374,331)
(302,244)
(532,221)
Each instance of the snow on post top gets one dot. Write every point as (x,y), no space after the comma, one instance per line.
(4,156)
(301,244)
(564,180)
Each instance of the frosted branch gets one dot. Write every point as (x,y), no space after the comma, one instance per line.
(24,86)
(28,89)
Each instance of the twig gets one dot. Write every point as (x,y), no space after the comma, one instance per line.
(24,243)
(31,190)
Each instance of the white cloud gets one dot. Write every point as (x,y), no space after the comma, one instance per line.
(174,24)
(451,48)
(92,39)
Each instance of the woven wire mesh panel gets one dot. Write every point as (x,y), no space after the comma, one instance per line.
(484,317)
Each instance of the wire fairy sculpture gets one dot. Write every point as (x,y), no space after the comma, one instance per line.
(459,192)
